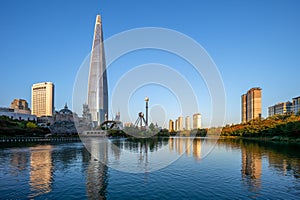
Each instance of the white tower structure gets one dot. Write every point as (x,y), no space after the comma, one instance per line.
(97,85)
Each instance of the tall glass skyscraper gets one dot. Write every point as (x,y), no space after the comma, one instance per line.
(97,85)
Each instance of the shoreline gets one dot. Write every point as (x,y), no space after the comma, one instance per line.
(269,139)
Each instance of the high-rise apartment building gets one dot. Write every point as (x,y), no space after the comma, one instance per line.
(244,108)
(97,82)
(187,123)
(251,104)
(171,125)
(280,108)
(197,121)
(180,123)
(42,99)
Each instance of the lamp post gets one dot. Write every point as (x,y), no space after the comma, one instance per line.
(146,99)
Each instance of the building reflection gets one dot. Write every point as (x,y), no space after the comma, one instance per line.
(18,161)
(96,180)
(197,148)
(171,144)
(187,145)
(282,158)
(41,170)
(251,165)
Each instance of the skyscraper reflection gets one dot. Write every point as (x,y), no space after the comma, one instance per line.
(96,181)
(41,169)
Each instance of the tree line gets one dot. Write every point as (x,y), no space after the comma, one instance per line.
(287,125)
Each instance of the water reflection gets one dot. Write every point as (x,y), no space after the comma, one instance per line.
(41,169)
(96,180)
(18,161)
(186,145)
(148,154)
(251,166)
(45,170)
(283,158)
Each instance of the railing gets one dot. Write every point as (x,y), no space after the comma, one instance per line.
(37,139)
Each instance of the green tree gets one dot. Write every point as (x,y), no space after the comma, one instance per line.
(152,127)
(31,125)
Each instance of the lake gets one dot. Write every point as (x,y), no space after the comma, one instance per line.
(164,168)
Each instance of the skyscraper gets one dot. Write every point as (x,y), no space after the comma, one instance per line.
(42,99)
(197,121)
(251,104)
(97,83)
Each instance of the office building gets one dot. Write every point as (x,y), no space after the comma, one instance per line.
(176,125)
(197,121)
(280,108)
(97,82)
(187,123)
(42,99)
(251,104)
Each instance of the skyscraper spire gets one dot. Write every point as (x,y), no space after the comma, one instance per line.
(98,19)
(97,86)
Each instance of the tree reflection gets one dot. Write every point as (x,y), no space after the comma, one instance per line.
(282,158)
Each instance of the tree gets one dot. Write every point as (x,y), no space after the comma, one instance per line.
(152,127)
(31,125)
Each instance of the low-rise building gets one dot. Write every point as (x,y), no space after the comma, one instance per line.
(281,108)
(296,105)
(63,122)
(9,112)
(20,106)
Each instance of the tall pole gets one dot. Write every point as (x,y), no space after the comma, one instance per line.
(146,99)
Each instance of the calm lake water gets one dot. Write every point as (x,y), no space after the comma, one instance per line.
(234,169)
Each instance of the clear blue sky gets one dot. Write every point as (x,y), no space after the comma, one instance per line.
(253,43)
